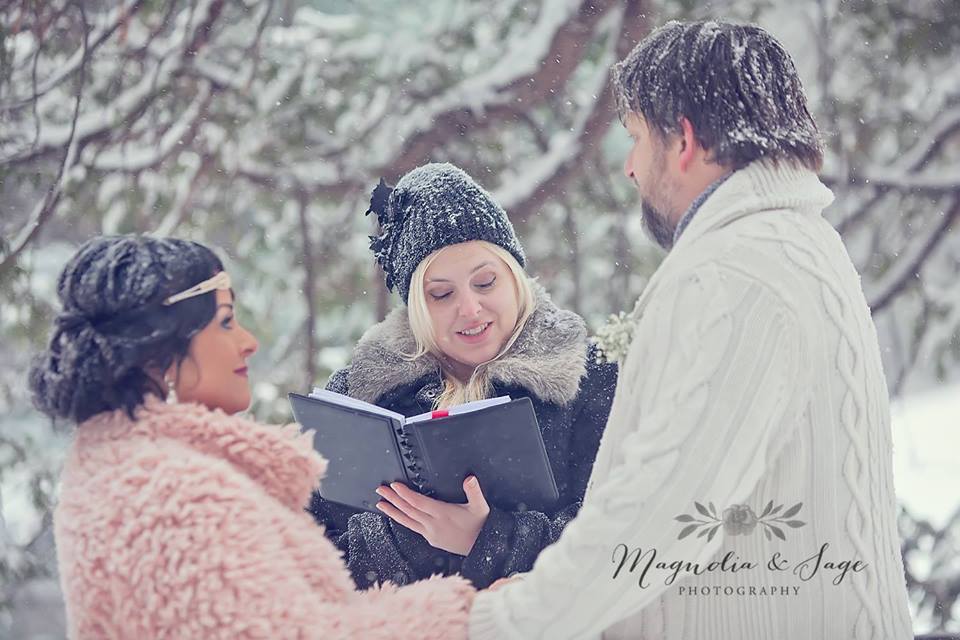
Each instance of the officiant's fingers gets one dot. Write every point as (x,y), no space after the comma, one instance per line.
(418,501)
(400,502)
(400,517)
(475,499)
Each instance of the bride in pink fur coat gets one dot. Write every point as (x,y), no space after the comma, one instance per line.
(176,518)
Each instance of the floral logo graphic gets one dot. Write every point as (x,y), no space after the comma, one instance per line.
(739,520)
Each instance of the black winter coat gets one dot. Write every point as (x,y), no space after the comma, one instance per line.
(553,364)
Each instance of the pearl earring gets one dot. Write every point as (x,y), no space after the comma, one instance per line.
(171,391)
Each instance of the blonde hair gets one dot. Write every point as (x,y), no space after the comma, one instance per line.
(479,385)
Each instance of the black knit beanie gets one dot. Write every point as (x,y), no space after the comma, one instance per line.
(432,207)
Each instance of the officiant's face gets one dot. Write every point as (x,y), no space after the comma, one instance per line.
(647,167)
(472,300)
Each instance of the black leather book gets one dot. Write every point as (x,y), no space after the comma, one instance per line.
(367,446)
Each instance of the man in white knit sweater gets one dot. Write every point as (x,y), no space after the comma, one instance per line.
(743,489)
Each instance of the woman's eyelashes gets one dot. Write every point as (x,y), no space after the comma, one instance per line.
(227,321)
(482,286)
(486,285)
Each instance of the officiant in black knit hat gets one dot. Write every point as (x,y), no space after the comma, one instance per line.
(473,325)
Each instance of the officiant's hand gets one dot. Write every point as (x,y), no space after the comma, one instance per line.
(445,525)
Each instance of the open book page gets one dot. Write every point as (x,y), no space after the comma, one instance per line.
(467,407)
(353,403)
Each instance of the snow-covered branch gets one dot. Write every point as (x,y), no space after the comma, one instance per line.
(186,193)
(109,23)
(931,182)
(128,156)
(911,260)
(905,175)
(943,128)
(122,126)
(525,190)
(133,101)
(534,66)
(45,208)
(314,177)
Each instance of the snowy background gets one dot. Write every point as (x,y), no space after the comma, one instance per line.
(259,127)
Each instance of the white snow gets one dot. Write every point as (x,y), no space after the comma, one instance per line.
(926,439)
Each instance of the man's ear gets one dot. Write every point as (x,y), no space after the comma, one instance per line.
(688,144)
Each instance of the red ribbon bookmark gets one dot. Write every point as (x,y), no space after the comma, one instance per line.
(439,413)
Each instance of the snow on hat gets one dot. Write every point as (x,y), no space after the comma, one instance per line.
(431,207)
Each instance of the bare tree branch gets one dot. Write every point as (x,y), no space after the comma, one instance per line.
(309,288)
(45,208)
(915,256)
(900,176)
(201,35)
(116,120)
(932,183)
(127,107)
(943,128)
(549,174)
(543,144)
(185,199)
(860,212)
(113,20)
(150,156)
(487,99)
(576,273)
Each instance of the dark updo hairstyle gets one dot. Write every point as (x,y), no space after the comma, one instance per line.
(113,326)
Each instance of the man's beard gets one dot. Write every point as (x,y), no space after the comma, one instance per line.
(661,187)
(656,225)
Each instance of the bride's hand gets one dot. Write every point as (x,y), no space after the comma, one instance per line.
(502,582)
(448,526)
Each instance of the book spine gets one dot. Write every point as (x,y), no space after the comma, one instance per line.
(411,462)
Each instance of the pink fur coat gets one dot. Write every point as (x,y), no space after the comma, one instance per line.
(189,523)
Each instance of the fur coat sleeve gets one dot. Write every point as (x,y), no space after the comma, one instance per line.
(163,533)
(231,569)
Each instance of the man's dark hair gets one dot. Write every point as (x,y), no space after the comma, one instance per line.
(113,325)
(735,84)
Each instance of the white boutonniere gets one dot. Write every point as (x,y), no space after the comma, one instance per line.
(613,339)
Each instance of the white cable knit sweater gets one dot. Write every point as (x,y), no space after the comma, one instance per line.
(754,376)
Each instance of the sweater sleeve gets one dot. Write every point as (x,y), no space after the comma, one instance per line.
(381,550)
(510,541)
(333,517)
(700,412)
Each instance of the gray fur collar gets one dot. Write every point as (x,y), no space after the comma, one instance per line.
(548,359)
